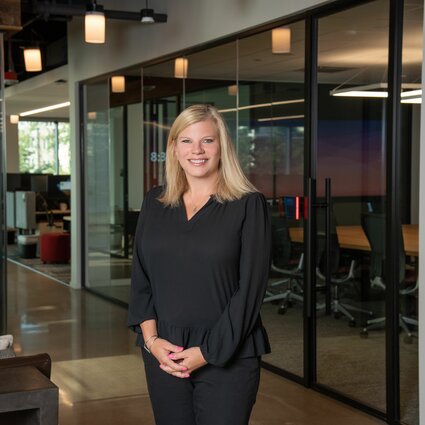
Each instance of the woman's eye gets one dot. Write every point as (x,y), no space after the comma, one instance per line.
(208,140)
(185,140)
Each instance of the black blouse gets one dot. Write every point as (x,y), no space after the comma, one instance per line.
(203,280)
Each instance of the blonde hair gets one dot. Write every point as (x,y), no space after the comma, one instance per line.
(232,183)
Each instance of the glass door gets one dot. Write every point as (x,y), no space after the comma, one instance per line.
(349,203)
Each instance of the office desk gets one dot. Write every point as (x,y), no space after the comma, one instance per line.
(353,237)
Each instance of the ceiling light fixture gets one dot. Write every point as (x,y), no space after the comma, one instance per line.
(232,90)
(14,119)
(377,90)
(281,40)
(263,105)
(94,24)
(45,109)
(32,58)
(180,67)
(118,84)
(285,117)
(148,16)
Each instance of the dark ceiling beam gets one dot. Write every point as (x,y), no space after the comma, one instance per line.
(55,10)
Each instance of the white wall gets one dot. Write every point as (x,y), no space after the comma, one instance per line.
(190,23)
(12,147)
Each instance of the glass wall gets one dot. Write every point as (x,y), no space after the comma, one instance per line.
(257,82)
(351,151)
(271,149)
(104,177)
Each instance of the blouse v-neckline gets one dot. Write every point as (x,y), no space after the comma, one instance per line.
(196,215)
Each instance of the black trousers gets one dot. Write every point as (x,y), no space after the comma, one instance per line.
(211,396)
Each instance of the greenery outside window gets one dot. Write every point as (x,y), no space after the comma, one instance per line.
(44,147)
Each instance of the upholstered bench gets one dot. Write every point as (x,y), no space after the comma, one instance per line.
(55,247)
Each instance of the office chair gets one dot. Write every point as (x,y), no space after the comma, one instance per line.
(284,264)
(340,275)
(374,228)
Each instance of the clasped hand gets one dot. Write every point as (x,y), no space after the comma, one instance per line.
(176,360)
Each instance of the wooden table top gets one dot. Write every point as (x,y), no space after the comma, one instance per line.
(353,237)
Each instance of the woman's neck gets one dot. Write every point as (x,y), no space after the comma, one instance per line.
(202,187)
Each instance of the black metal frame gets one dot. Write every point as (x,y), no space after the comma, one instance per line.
(311,18)
(3,188)
(393,222)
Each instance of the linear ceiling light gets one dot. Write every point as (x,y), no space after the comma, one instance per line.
(45,109)
(32,59)
(94,24)
(262,105)
(285,117)
(379,90)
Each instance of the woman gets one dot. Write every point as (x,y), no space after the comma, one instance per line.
(200,268)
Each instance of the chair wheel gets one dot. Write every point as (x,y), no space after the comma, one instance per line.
(364,333)
(352,323)
(408,339)
(281,310)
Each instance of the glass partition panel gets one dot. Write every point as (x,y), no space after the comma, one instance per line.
(271,150)
(162,102)
(104,192)
(352,91)
(410,142)
(212,79)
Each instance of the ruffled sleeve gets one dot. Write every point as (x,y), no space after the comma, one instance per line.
(141,305)
(242,311)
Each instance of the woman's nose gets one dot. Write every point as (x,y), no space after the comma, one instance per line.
(197,148)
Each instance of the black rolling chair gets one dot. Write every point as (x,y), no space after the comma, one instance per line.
(340,276)
(284,264)
(374,228)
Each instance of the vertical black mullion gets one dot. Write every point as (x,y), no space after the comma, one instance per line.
(309,188)
(83,177)
(125,180)
(393,222)
(3,188)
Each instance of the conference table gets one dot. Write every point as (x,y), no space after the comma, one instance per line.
(353,237)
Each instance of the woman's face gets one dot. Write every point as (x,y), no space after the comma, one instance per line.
(198,149)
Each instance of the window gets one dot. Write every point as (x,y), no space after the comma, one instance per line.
(44,147)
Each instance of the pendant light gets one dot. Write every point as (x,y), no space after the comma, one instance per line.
(32,58)
(180,67)
(118,84)
(94,24)
(281,40)
(14,119)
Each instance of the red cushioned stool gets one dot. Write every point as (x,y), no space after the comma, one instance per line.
(55,247)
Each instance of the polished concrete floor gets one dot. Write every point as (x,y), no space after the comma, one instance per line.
(99,370)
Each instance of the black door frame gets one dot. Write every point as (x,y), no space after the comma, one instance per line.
(393,222)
